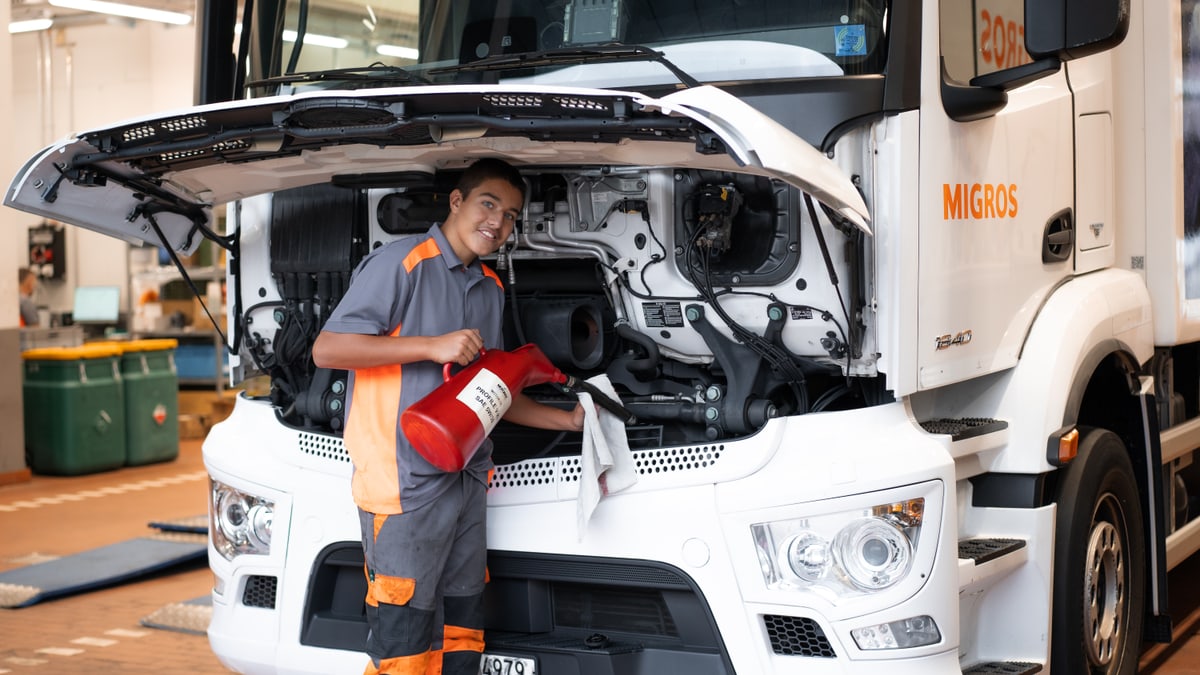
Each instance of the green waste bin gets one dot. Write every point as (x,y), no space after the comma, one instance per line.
(151,400)
(74,409)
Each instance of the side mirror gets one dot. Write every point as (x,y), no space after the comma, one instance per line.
(1070,29)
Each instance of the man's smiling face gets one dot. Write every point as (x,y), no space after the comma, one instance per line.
(480,222)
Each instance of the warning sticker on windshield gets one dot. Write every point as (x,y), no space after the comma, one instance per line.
(850,40)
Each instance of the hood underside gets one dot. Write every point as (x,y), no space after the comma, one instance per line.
(156,179)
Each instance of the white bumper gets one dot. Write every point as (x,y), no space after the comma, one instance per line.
(691,508)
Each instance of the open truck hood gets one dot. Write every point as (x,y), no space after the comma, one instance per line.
(156,179)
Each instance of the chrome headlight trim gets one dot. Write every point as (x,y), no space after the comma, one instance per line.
(847,552)
(240,523)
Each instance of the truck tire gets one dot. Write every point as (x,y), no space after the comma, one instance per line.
(1099,562)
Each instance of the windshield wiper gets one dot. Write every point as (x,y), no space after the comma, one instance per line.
(374,74)
(613,51)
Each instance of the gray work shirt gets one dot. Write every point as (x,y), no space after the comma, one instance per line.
(416,286)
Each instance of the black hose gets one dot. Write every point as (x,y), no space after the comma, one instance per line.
(654,357)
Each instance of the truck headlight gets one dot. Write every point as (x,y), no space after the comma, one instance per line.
(240,522)
(873,552)
(841,554)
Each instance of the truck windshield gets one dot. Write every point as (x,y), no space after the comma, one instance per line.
(447,41)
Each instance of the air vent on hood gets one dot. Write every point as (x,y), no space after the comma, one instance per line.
(514,100)
(215,148)
(579,103)
(167,127)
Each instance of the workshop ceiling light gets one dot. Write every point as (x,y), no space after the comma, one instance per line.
(317,40)
(397,51)
(129,11)
(30,25)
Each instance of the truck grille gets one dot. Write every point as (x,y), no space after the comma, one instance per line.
(323,446)
(555,470)
(574,613)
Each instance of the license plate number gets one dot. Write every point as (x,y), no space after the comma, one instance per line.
(503,664)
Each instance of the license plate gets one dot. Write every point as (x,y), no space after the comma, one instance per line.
(503,664)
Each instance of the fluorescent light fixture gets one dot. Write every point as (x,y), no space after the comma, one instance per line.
(401,52)
(30,25)
(316,39)
(130,11)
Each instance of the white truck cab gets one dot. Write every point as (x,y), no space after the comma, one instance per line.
(894,289)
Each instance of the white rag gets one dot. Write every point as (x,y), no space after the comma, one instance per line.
(607,464)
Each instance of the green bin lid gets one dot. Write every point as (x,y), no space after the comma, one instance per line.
(88,351)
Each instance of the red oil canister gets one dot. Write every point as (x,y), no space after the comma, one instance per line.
(448,425)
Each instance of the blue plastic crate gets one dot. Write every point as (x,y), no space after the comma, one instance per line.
(196,361)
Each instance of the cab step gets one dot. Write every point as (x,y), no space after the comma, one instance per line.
(1004,668)
(984,550)
(983,561)
(962,428)
(973,442)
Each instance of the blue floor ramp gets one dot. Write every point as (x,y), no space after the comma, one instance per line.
(100,567)
(197,524)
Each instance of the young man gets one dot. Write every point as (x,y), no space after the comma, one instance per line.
(412,306)
(27,283)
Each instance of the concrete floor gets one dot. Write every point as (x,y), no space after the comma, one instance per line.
(100,631)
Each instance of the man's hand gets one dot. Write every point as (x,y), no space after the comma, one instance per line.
(577,417)
(461,347)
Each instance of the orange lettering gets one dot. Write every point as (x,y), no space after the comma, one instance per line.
(1000,47)
(979,201)
(986,39)
(952,205)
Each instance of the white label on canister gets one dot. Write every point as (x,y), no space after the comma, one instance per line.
(488,397)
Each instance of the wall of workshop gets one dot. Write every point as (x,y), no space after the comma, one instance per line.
(68,80)
(9,163)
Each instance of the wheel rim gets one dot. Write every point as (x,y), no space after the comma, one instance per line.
(1105,591)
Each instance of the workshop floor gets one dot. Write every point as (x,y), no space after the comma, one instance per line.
(100,631)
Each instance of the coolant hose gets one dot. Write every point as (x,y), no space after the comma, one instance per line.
(653,358)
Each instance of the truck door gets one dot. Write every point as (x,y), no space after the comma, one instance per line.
(990,188)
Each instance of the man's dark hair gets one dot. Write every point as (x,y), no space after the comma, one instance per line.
(487,169)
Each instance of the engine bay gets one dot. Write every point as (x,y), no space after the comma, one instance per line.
(713,301)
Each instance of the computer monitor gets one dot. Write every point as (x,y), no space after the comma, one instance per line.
(96,305)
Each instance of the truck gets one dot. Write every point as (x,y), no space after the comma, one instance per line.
(903,295)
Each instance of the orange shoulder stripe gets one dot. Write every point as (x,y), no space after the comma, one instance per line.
(487,272)
(424,251)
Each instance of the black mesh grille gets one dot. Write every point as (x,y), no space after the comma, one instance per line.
(797,636)
(590,570)
(260,592)
(632,610)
